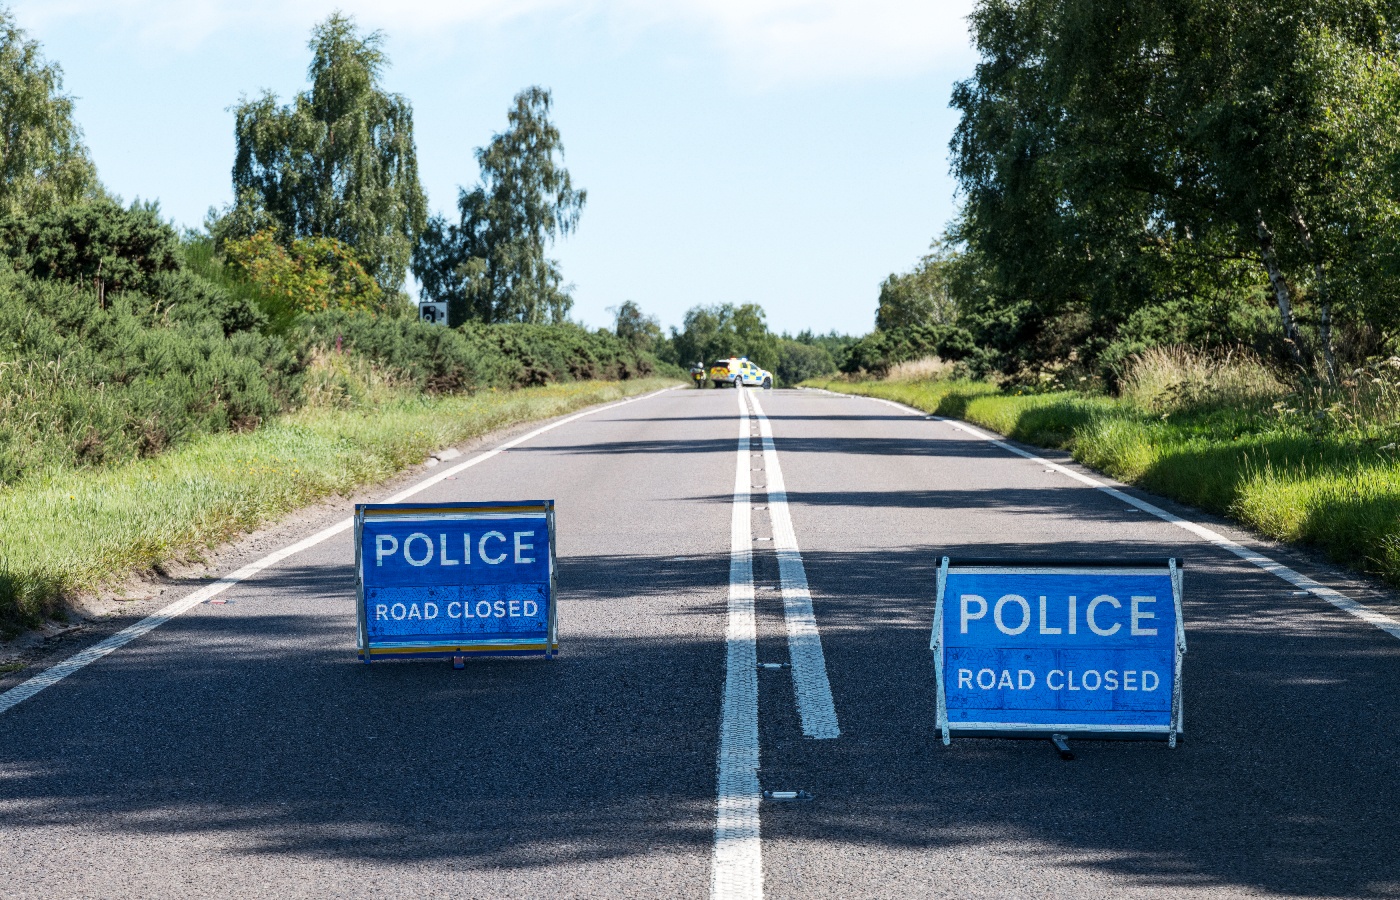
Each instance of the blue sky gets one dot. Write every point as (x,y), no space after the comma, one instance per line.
(790,153)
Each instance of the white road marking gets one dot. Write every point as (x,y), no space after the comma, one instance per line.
(736,872)
(1297,579)
(809,677)
(56,673)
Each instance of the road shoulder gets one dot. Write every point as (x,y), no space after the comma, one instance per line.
(97,616)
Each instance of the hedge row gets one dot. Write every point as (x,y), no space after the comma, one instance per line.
(119,339)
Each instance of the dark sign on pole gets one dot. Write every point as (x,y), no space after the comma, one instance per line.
(454,579)
(1034,650)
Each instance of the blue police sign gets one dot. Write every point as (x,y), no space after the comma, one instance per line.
(452,579)
(1088,649)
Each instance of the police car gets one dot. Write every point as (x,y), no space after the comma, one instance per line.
(737,371)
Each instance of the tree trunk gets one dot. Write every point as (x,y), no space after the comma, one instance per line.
(1281,292)
(1324,303)
(1324,332)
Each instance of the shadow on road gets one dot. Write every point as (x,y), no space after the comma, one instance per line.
(1274,790)
(1064,500)
(272,734)
(867,446)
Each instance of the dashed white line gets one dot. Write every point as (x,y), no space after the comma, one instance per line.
(809,676)
(736,872)
(56,673)
(1297,579)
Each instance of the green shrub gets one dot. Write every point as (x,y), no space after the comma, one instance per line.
(102,243)
(476,356)
(119,339)
(434,358)
(313,274)
(799,361)
(545,354)
(274,314)
(83,385)
(878,351)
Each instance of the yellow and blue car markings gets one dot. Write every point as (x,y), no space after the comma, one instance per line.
(739,370)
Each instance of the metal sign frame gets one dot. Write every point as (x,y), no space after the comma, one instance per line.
(469,511)
(937,643)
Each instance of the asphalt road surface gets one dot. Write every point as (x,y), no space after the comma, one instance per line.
(240,749)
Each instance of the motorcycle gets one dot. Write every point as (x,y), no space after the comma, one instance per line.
(697,374)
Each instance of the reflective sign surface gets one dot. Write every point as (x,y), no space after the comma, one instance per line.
(454,579)
(1064,649)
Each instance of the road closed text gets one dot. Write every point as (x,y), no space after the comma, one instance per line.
(482,609)
(987,679)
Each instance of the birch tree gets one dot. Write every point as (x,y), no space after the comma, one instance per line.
(493,264)
(339,161)
(43,162)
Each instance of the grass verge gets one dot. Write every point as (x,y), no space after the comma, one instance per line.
(1290,479)
(74,531)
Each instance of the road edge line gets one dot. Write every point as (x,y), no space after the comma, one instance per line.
(61,670)
(736,870)
(1277,569)
(810,680)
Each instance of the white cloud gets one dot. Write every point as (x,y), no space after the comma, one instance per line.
(795,38)
(766,40)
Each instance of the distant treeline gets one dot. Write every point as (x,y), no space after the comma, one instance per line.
(711,333)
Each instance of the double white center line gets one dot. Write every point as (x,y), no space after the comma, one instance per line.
(809,678)
(737,869)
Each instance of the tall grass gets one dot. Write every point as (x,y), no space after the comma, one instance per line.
(1364,403)
(76,530)
(1174,379)
(1315,464)
(926,368)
